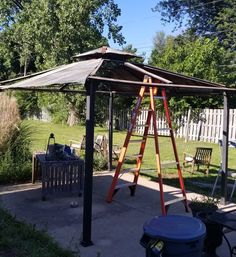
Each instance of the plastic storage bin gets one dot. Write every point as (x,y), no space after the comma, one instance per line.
(173,236)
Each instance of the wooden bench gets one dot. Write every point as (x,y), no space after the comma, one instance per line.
(202,156)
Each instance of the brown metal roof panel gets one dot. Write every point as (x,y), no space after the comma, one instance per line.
(128,86)
(178,78)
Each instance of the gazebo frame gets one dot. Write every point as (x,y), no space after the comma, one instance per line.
(175,84)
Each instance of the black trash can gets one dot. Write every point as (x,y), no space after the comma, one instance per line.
(173,236)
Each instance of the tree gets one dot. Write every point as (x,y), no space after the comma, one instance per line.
(28,104)
(40,34)
(46,33)
(194,56)
(226,25)
(130,49)
(199,15)
(212,19)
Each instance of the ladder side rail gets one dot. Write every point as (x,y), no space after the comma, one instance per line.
(125,146)
(181,181)
(143,145)
(131,127)
(158,159)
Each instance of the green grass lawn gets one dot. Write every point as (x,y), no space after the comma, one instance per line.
(191,180)
(18,239)
(64,133)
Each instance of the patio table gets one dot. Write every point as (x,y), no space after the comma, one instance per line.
(58,175)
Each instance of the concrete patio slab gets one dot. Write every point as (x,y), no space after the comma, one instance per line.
(116,228)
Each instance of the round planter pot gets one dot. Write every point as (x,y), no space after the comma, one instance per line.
(214,235)
(202,208)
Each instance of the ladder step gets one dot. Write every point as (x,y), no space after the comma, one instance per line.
(148,170)
(180,199)
(118,186)
(129,170)
(159,129)
(164,129)
(141,125)
(137,135)
(133,156)
(168,164)
(159,97)
(152,136)
(137,141)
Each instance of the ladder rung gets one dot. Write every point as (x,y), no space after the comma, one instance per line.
(141,125)
(164,135)
(163,129)
(129,170)
(133,155)
(168,164)
(137,141)
(148,170)
(125,185)
(180,199)
(159,97)
(150,135)
(137,135)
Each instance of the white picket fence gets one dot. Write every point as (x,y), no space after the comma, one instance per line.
(207,126)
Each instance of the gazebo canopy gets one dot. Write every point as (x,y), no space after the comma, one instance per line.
(109,70)
(112,70)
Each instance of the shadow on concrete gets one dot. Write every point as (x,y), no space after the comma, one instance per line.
(116,228)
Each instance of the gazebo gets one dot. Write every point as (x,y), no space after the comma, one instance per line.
(108,71)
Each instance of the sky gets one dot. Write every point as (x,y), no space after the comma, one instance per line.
(140,24)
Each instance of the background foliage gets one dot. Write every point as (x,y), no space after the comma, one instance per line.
(206,49)
(41,34)
(36,35)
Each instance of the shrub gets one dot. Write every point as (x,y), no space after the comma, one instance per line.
(15,142)
(99,162)
(203,204)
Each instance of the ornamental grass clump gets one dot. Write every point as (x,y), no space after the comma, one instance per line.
(9,119)
(15,142)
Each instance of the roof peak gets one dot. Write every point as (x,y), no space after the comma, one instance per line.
(106,52)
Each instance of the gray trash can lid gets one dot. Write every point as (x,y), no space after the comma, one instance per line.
(175,228)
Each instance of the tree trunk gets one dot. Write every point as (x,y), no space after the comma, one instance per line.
(72,118)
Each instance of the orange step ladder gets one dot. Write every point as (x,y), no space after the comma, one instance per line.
(115,186)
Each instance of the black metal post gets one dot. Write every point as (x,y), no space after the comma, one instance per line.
(88,179)
(224,178)
(110,140)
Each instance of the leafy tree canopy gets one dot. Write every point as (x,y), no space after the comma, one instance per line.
(206,19)
(213,18)
(40,34)
(194,56)
(45,33)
